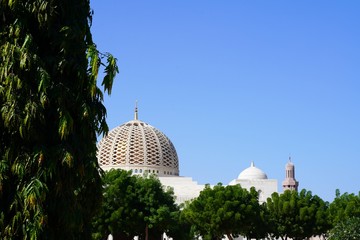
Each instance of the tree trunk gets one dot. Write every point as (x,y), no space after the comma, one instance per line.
(229,236)
(146,232)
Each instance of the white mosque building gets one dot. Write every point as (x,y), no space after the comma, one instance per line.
(141,148)
(255,177)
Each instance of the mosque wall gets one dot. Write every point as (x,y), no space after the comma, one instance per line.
(265,187)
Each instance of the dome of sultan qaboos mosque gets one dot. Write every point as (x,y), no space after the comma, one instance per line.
(139,147)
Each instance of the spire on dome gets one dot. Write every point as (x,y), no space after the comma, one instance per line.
(252,164)
(136,117)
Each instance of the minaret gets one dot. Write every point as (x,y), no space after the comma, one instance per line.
(290,181)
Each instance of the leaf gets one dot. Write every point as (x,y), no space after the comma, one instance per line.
(110,70)
(65,124)
(44,80)
(68,159)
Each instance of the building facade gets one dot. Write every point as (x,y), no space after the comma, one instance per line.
(143,149)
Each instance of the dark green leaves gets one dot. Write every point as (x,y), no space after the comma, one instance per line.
(221,210)
(348,229)
(95,61)
(132,204)
(51,113)
(110,72)
(297,214)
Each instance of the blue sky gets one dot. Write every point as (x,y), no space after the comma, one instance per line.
(230,82)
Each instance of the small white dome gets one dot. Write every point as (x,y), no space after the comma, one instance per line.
(252,172)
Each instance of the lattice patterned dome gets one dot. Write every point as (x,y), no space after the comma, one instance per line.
(139,147)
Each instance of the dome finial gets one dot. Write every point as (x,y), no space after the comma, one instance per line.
(252,164)
(136,117)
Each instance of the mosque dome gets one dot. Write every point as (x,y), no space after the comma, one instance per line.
(139,147)
(252,172)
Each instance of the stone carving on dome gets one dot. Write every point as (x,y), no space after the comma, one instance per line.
(136,145)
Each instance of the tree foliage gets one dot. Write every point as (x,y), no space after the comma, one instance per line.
(134,206)
(344,206)
(297,215)
(181,229)
(119,213)
(51,114)
(348,229)
(157,207)
(220,210)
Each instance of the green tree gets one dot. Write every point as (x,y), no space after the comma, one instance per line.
(51,114)
(181,229)
(348,229)
(220,210)
(119,214)
(258,227)
(297,215)
(344,206)
(134,206)
(157,207)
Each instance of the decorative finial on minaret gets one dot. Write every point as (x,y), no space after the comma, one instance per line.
(136,117)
